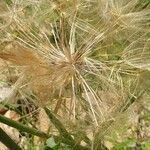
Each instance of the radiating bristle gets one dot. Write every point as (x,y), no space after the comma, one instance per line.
(71,56)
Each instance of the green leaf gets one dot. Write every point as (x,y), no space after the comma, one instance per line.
(64,133)
(51,142)
(22,127)
(66,136)
(7,141)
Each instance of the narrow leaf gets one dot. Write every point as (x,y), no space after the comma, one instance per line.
(7,141)
(22,127)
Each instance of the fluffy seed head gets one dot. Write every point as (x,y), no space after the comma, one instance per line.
(77,64)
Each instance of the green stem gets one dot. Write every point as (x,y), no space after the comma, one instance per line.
(22,127)
(10,107)
(146,5)
(7,141)
(59,125)
(66,137)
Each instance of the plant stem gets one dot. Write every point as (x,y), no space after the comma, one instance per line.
(66,137)
(58,125)
(7,141)
(22,127)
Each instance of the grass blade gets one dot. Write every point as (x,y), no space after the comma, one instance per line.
(66,137)
(7,141)
(22,127)
(59,125)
